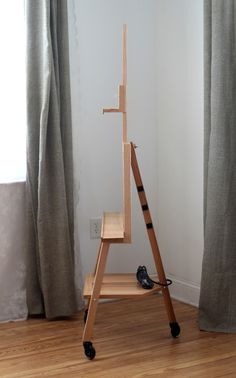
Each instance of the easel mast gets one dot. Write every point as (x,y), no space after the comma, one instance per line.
(124,81)
(126,148)
(122,88)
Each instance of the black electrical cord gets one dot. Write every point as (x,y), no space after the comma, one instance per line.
(168,282)
(146,282)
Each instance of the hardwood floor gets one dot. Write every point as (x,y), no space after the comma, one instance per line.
(132,339)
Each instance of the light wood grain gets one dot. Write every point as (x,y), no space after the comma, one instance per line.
(127,191)
(112,226)
(118,286)
(124,55)
(95,290)
(132,341)
(124,84)
(122,98)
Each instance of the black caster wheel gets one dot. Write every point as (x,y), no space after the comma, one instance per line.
(174,329)
(89,350)
(85,315)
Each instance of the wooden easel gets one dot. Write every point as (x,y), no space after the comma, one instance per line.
(116,228)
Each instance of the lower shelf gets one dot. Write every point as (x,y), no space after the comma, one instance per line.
(118,286)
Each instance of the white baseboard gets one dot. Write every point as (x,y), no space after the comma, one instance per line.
(187,292)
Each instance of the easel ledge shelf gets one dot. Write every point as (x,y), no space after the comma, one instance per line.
(117,285)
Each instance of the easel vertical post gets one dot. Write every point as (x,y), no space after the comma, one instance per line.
(124,82)
(127,191)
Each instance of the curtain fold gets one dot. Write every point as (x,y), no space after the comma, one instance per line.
(12,252)
(217,307)
(50,273)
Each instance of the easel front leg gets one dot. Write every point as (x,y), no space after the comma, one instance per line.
(89,299)
(97,284)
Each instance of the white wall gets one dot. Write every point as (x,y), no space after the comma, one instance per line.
(164,119)
(180,140)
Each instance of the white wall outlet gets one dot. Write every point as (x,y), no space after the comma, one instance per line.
(95,228)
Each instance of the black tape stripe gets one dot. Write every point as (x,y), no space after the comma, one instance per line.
(145,207)
(149,225)
(140,188)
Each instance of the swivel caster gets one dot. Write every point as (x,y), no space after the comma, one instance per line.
(85,315)
(174,329)
(89,350)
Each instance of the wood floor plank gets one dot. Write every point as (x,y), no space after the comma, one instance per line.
(132,339)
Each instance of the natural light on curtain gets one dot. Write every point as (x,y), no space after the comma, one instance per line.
(12,91)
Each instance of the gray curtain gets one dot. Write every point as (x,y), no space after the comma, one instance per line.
(217,308)
(50,274)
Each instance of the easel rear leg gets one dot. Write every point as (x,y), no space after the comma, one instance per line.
(174,326)
(175,329)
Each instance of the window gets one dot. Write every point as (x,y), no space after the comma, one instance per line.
(12,91)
